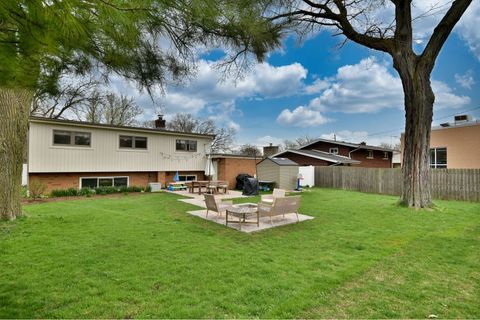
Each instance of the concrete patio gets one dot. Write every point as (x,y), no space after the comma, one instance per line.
(198,200)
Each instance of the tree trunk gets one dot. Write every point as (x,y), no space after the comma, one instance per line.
(14,111)
(419,98)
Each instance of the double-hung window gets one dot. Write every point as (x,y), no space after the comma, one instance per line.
(369,154)
(438,158)
(71,138)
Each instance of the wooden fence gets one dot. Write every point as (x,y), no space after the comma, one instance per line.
(451,184)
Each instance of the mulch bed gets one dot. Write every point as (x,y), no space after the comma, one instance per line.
(112,196)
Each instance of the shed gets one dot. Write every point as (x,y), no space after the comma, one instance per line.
(281,170)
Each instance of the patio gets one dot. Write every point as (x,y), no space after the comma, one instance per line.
(264,223)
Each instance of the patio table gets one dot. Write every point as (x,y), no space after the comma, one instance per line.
(243,212)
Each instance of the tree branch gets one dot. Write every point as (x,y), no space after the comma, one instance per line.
(441,33)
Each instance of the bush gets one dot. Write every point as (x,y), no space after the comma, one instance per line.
(148,189)
(86,192)
(37,189)
(70,192)
(24,192)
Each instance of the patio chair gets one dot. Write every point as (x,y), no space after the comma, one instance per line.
(280,206)
(277,193)
(216,205)
(223,185)
(212,187)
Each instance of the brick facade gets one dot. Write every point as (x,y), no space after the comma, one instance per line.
(378,160)
(230,168)
(72,180)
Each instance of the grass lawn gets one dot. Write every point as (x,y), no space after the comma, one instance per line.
(143,256)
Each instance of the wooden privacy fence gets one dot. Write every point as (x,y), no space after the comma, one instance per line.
(450,184)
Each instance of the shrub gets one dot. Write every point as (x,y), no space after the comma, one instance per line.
(148,189)
(24,192)
(106,190)
(70,192)
(37,189)
(86,192)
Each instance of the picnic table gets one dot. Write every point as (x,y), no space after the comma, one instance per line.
(210,186)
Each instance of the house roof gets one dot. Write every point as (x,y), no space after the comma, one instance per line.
(236,156)
(281,161)
(347,144)
(317,154)
(113,127)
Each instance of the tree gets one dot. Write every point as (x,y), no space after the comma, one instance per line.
(121,110)
(297,143)
(355,20)
(186,122)
(40,41)
(250,150)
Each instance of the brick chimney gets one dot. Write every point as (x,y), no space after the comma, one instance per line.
(270,150)
(160,122)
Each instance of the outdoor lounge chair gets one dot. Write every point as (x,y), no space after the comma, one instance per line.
(280,206)
(277,193)
(216,205)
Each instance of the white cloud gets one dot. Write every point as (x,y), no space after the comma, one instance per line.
(366,87)
(301,117)
(468,27)
(465,80)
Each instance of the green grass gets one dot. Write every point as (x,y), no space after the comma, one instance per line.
(143,256)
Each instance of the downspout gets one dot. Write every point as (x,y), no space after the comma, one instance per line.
(350,152)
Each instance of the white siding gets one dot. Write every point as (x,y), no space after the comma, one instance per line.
(104,154)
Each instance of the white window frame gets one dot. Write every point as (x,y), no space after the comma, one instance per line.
(369,151)
(133,143)
(187,143)
(100,177)
(188,175)
(385,155)
(72,139)
(435,165)
(333,151)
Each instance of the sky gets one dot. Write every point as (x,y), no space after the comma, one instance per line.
(317,89)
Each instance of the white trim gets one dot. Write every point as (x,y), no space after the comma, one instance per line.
(331,150)
(102,177)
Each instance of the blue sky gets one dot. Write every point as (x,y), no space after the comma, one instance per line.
(317,89)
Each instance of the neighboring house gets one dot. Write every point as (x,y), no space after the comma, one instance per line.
(65,154)
(323,152)
(397,159)
(455,145)
(282,171)
(229,166)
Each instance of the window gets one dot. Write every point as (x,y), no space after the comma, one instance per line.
(186,145)
(333,151)
(131,142)
(438,158)
(71,138)
(369,154)
(187,178)
(385,155)
(103,182)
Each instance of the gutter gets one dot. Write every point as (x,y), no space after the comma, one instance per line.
(350,152)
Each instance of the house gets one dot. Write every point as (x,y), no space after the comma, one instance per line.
(282,171)
(454,145)
(65,154)
(228,166)
(324,152)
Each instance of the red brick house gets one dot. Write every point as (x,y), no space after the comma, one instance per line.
(323,152)
(229,166)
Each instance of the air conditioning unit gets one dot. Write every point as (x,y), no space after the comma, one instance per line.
(155,186)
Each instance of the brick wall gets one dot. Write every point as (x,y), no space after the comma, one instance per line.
(72,180)
(377,162)
(230,168)
(325,147)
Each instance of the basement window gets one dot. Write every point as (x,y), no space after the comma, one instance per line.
(190,177)
(95,182)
